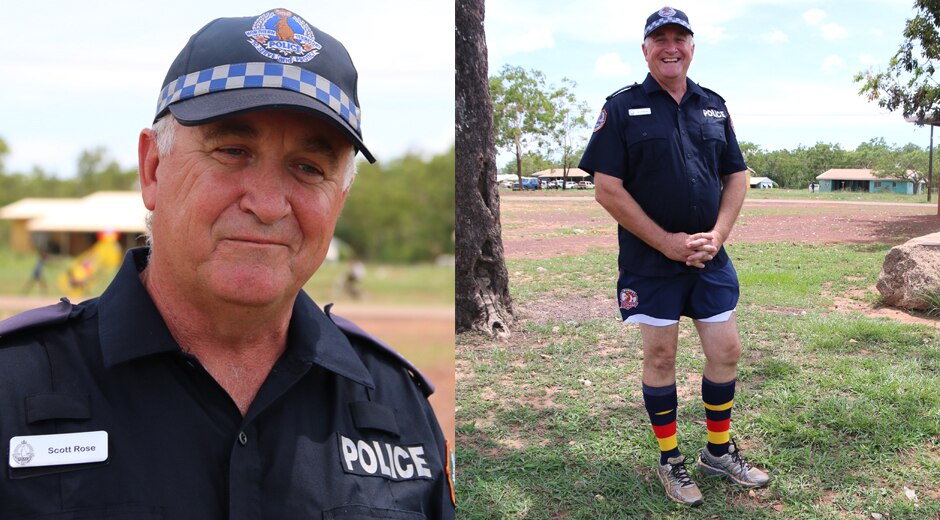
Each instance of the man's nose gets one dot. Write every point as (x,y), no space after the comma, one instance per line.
(266,192)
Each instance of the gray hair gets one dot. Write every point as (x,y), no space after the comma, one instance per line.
(164,133)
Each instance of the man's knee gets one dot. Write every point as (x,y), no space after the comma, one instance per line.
(727,352)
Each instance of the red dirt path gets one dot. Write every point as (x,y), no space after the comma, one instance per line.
(539,228)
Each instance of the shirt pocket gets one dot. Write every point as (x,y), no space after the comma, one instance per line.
(645,134)
(357,512)
(713,131)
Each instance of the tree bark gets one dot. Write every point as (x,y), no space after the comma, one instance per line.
(482,299)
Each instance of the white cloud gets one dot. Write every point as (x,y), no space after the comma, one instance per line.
(876,32)
(533,39)
(834,31)
(832,64)
(814,16)
(867,60)
(611,65)
(775,36)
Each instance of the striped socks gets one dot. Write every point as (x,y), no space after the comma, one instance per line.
(718,399)
(661,403)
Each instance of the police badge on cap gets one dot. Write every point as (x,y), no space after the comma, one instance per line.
(665,16)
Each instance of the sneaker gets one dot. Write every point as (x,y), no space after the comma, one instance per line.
(678,483)
(733,466)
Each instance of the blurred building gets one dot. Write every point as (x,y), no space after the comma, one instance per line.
(71,226)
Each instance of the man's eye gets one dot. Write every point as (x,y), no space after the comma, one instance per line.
(309,169)
(235,152)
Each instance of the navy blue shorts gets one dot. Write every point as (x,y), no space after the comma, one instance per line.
(661,301)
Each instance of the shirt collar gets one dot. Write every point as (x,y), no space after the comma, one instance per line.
(650,85)
(131,327)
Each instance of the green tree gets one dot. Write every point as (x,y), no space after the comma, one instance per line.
(907,163)
(870,153)
(532,161)
(523,111)
(568,137)
(908,82)
(402,211)
(4,150)
(97,172)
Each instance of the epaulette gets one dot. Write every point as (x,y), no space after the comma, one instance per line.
(624,89)
(351,329)
(48,315)
(712,92)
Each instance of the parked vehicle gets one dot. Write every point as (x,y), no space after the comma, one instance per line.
(585,185)
(571,185)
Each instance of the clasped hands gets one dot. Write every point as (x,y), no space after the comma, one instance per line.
(693,250)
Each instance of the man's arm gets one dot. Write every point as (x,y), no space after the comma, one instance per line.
(732,198)
(610,193)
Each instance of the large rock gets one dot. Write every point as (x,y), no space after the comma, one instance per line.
(910,269)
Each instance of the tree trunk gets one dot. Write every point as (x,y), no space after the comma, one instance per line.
(482,282)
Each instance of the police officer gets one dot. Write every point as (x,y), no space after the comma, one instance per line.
(669,170)
(204,383)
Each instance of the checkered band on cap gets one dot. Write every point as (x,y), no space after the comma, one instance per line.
(261,75)
(663,21)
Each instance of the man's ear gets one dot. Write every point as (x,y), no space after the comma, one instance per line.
(148,158)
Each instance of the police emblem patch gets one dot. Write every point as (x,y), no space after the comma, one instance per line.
(601,119)
(628,299)
(284,37)
(667,12)
(23,453)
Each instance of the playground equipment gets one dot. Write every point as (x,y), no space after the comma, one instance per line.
(99,260)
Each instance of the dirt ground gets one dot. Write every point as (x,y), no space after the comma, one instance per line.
(543,227)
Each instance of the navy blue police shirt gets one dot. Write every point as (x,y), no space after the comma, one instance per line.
(341,427)
(671,158)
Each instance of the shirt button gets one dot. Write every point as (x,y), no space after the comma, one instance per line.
(242,438)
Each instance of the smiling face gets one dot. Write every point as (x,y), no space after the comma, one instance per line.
(244,208)
(668,52)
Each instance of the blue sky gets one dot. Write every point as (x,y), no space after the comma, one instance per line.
(785,67)
(77,75)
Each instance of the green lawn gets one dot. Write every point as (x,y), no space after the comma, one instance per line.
(842,409)
(422,284)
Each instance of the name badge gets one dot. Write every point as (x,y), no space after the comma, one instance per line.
(639,111)
(30,451)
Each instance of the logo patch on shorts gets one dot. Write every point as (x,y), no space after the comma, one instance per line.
(628,299)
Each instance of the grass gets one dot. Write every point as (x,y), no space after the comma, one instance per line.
(932,297)
(853,196)
(842,409)
(419,285)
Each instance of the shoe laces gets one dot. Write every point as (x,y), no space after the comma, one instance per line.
(736,457)
(680,474)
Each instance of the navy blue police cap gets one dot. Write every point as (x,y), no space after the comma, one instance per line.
(665,16)
(275,60)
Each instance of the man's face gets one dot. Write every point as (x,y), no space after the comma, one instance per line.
(668,52)
(244,208)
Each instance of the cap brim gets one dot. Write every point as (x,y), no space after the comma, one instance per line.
(216,105)
(678,22)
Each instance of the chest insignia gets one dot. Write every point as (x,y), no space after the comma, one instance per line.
(711,112)
(383,459)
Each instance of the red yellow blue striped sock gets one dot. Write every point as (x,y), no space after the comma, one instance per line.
(661,403)
(718,399)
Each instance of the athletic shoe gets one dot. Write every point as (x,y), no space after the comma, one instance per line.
(678,483)
(733,466)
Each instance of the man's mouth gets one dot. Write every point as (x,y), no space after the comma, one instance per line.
(671,60)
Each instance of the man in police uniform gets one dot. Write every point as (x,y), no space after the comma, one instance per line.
(668,169)
(204,383)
